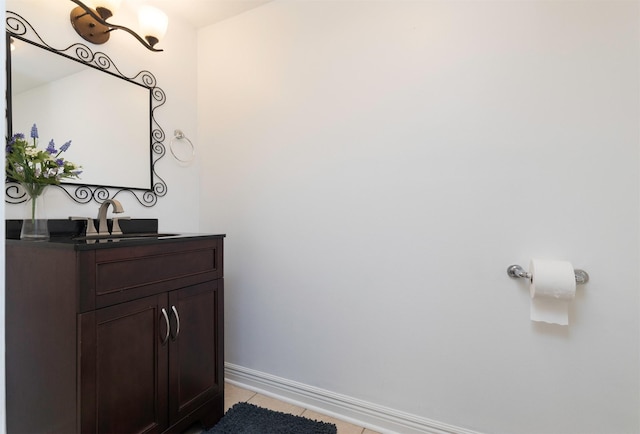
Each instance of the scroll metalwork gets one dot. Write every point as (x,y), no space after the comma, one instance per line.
(19,28)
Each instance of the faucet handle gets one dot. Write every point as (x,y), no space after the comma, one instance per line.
(91,227)
(115,229)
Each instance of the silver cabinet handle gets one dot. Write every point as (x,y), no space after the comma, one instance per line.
(175,312)
(166,319)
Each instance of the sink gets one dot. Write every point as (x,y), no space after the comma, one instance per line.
(118,237)
(133,229)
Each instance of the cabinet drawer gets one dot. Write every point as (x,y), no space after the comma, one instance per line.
(128,273)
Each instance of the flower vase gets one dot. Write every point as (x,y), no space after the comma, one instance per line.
(35,225)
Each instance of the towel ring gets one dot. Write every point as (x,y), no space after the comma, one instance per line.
(179,135)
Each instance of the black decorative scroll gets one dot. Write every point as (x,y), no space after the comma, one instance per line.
(18,27)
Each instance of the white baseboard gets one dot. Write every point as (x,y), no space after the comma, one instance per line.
(378,418)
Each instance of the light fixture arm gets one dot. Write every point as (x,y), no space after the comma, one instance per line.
(108,27)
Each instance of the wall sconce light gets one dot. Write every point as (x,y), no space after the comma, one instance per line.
(92,26)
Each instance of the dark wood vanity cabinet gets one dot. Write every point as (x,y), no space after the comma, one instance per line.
(126,339)
(149,362)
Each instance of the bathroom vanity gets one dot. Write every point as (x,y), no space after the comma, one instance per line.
(114,335)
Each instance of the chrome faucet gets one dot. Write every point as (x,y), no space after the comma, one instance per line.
(103,229)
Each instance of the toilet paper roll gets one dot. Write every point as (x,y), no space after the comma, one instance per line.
(553,286)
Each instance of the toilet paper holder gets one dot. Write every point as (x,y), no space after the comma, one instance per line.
(516,271)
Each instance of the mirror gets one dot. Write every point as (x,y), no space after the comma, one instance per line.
(83,97)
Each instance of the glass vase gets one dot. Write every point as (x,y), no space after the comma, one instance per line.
(35,225)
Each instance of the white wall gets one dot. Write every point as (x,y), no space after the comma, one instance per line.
(378,165)
(175,73)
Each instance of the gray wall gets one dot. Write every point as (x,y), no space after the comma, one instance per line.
(378,165)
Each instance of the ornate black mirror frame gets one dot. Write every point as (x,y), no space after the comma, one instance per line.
(18,27)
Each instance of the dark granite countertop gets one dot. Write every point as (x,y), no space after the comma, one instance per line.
(69,234)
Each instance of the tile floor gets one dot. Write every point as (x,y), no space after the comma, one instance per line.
(234,394)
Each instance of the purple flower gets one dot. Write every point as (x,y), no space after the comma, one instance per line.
(60,162)
(51,149)
(64,147)
(15,138)
(34,132)
(9,148)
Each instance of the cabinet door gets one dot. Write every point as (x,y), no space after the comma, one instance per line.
(123,362)
(196,349)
